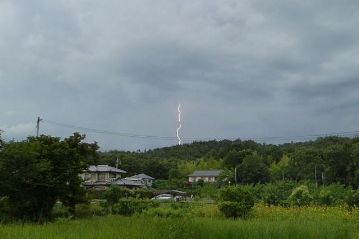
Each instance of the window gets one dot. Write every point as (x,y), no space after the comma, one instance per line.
(101,176)
(87,176)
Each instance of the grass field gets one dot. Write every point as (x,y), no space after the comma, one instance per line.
(201,222)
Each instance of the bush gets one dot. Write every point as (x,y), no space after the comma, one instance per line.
(95,194)
(339,192)
(271,195)
(233,209)
(235,202)
(82,210)
(208,191)
(143,193)
(300,196)
(164,212)
(200,182)
(89,209)
(353,199)
(59,210)
(236,194)
(115,193)
(5,210)
(326,197)
(129,207)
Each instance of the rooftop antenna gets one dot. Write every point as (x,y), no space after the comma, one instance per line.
(179,124)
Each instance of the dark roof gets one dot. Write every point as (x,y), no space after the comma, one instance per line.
(141,176)
(125,182)
(104,168)
(206,173)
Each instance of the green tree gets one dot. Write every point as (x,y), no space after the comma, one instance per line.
(253,170)
(303,163)
(37,172)
(300,196)
(226,176)
(235,158)
(235,201)
(278,171)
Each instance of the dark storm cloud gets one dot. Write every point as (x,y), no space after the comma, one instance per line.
(239,68)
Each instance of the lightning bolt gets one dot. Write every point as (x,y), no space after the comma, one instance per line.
(179,124)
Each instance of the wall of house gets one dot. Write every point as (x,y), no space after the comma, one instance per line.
(205,179)
(148,182)
(100,176)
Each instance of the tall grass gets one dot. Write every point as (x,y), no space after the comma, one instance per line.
(264,222)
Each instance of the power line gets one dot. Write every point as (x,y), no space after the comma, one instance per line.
(99,131)
(190,139)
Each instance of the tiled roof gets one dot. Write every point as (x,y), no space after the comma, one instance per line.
(141,176)
(125,182)
(206,173)
(104,168)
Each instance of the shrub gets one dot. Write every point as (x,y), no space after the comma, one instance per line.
(95,194)
(164,212)
(233,209)
(353,199)
(326,197)
(59,210)
(208,191)
(115,193)
(5,210)
(300,196)
(236,194)
(200,182)
(143,193)
(339,192)
(271,195)
(89,209)
(82,210)
(235,202)
(129,207)
(256,190)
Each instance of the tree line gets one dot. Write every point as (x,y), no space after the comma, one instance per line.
(323,161)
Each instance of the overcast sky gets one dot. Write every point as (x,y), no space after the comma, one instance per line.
(240,69)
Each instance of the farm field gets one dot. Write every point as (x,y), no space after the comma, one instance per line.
(201,221)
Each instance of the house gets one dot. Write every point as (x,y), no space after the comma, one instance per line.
(143,178)
(128,183)
(101,176)
(210,176)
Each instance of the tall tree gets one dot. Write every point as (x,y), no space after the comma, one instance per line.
(253,170)
(37,172)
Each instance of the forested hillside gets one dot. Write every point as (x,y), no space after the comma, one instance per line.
(325,160)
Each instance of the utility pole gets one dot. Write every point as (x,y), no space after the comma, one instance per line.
(38,126)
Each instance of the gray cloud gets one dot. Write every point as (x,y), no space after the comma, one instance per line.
(239,68)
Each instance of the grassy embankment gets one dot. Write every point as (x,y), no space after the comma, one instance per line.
(201,222)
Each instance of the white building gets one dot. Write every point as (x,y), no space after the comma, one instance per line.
(209,176)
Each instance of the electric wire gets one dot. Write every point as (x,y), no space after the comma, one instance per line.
(192,139)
